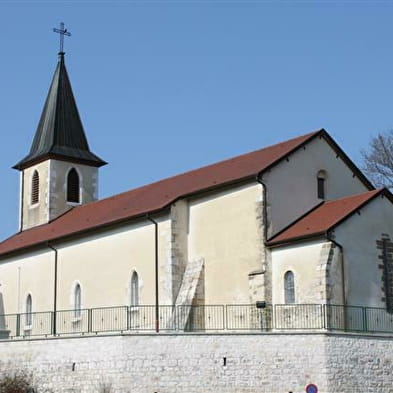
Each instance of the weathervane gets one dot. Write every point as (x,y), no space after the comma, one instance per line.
(62,31)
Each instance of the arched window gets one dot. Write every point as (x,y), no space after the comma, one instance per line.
(289,287)
(77,301)
(73,186)
(29,309)
(134,292)
(321,184)
(35,188)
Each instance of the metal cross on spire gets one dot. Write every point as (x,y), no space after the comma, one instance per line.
(62,32)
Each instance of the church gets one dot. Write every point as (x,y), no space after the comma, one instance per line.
(290,237)
(292,223)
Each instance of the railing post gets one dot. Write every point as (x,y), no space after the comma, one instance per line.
(270,317)
(178,311)
(223,317)
(52,323)
(261,312)
(128,316)
(17,325)
(274,322)
(226,317)
(365,327)
(321,310)
(174,317)
(89,320)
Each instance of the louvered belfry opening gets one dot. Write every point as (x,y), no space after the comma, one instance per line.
(73,186)
(35,188)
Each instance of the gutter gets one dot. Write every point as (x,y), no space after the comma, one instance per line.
(76,234)
(157,304)
(294,240)
(54,330)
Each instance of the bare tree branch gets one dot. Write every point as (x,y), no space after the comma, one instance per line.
(378,160)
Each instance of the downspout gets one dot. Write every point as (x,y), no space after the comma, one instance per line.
(54,290)
(157,310)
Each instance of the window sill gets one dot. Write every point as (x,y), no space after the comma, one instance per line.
(73,203)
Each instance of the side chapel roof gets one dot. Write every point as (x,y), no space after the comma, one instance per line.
(159,195)
(60,131)
(325,217)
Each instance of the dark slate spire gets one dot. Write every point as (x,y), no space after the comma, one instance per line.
(60,133)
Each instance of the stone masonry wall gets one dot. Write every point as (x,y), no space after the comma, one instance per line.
(259,282)
(178,254)
(385,246)
(359,364)
(260,363)
(329,285)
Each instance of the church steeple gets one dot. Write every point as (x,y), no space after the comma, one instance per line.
(60,171)
(60,131)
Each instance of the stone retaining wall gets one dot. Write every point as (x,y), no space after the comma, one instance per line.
(200,363)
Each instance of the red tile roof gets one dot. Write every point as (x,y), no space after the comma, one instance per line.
(155,196)
(324,217)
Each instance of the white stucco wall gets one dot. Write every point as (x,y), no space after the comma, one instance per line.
(53,190)
(303,261)
(317,269)
(32,273)
(224,229)
(292,184)
(358,236)
(88,185)
(320,266)
(101,263)
(38,213)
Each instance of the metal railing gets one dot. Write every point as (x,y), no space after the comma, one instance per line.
(198,318)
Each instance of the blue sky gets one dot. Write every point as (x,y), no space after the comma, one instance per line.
(167,86)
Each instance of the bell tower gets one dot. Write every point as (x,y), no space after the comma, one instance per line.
(60,171)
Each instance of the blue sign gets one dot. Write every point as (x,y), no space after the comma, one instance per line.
(311,388)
